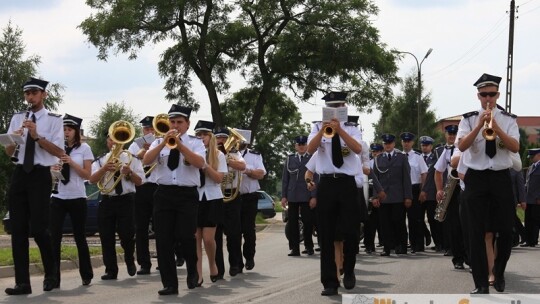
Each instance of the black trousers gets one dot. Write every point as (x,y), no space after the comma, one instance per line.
(453,220)
(416,221)
(29,197)
(77,210)
(232,228)
(371,226)
(435,227)
(144,207)
(489,194)
(175,220)
(115,214)
(393,227)
(338,214)
(295,210)
(532,223)
(247,218)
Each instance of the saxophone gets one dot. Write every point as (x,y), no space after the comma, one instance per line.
(442,205)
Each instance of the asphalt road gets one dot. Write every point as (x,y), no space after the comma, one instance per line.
(278,278)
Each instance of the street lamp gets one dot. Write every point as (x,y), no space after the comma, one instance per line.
(419,66)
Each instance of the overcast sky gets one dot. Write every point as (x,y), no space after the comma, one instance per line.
(468,37)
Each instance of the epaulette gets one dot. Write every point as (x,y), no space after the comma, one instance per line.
(100,156)
(54,114)
(351,124)
(254,152)
(316,121)
(417,152)
(21,112)
(291,154)
(467,115)
(509,114)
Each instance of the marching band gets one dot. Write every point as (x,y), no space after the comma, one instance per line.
(196,188)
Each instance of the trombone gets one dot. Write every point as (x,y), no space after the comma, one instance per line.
(121,132)
(488,133)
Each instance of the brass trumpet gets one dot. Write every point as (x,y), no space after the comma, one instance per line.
(161,126)
(121,132)
(329,132)
(488,133)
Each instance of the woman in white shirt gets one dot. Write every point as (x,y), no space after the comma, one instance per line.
(69,197)
(210,199)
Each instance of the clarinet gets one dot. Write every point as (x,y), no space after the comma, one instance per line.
(57,180)
(15,156)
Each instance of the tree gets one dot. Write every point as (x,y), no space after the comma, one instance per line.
(278,130)
(14,71)
(401,114)
(110,113)
(303,46)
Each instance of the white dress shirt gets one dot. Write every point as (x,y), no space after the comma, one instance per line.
(211,189)
(75,188)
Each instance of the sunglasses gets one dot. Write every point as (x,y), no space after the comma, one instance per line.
(486,94)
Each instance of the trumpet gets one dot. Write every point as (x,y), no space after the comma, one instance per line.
(15,155)
(161,126)
(488,133)
(328,131)
(121,132)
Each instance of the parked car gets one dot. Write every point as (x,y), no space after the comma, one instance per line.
(266,205)
(92,200)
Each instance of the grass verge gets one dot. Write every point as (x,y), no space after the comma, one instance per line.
(68,253)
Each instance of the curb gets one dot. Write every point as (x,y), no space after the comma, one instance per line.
(97,261)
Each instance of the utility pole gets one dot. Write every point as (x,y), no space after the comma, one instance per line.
(510,66)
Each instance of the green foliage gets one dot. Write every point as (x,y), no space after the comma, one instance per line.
(278,130)
(67,253)
(14,71)
(401,114)
(111,113)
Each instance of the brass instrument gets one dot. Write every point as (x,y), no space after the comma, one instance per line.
(228,180)
(15,156)
(488,133)
(161,126)
(328,131)
(442,205)
(121,132)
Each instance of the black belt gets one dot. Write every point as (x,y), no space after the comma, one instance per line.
(38,167)
(335,175)
(176,187)
(113,197)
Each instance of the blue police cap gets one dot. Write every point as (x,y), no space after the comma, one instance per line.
(203,125)
(221,132)
(452,129)
(302,139)
(376,147)
(426,140)
(147,121)
(388,138)
(487,80)
(178,110)
(533,152)
(72,121)
(407,136)
(335,97)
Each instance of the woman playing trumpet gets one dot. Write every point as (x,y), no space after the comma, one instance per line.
(71,197)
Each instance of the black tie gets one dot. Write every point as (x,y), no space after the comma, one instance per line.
(29,151)
(174,159)
(425,158)
(389,156)
(491,149)
(337,157)
(118,188)
(65,168)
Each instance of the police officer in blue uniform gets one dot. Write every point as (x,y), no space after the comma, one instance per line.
(393,171)
(176,198)
(337,163)
(297,197)
(487,181)
(372,224)
(30,186)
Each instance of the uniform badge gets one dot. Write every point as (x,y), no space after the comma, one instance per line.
(345,151)
(186,163)
(500,144)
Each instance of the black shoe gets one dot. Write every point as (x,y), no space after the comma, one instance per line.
(215,278)
(131,269)
(310,252)
(318,249)
(428,240)
(180,262)
(109,276)
(413,250)
(86,282)
(250,264)
(19,289)
(192,280)
(200,283)
(329,291)
(143,271)
(448,253)
(50,284)
(304,251)
(459,265)
(526,245)
(480,290)
(349,281)
(168,291)
(499,285)
(234,271)
(294,253)
(385,253)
